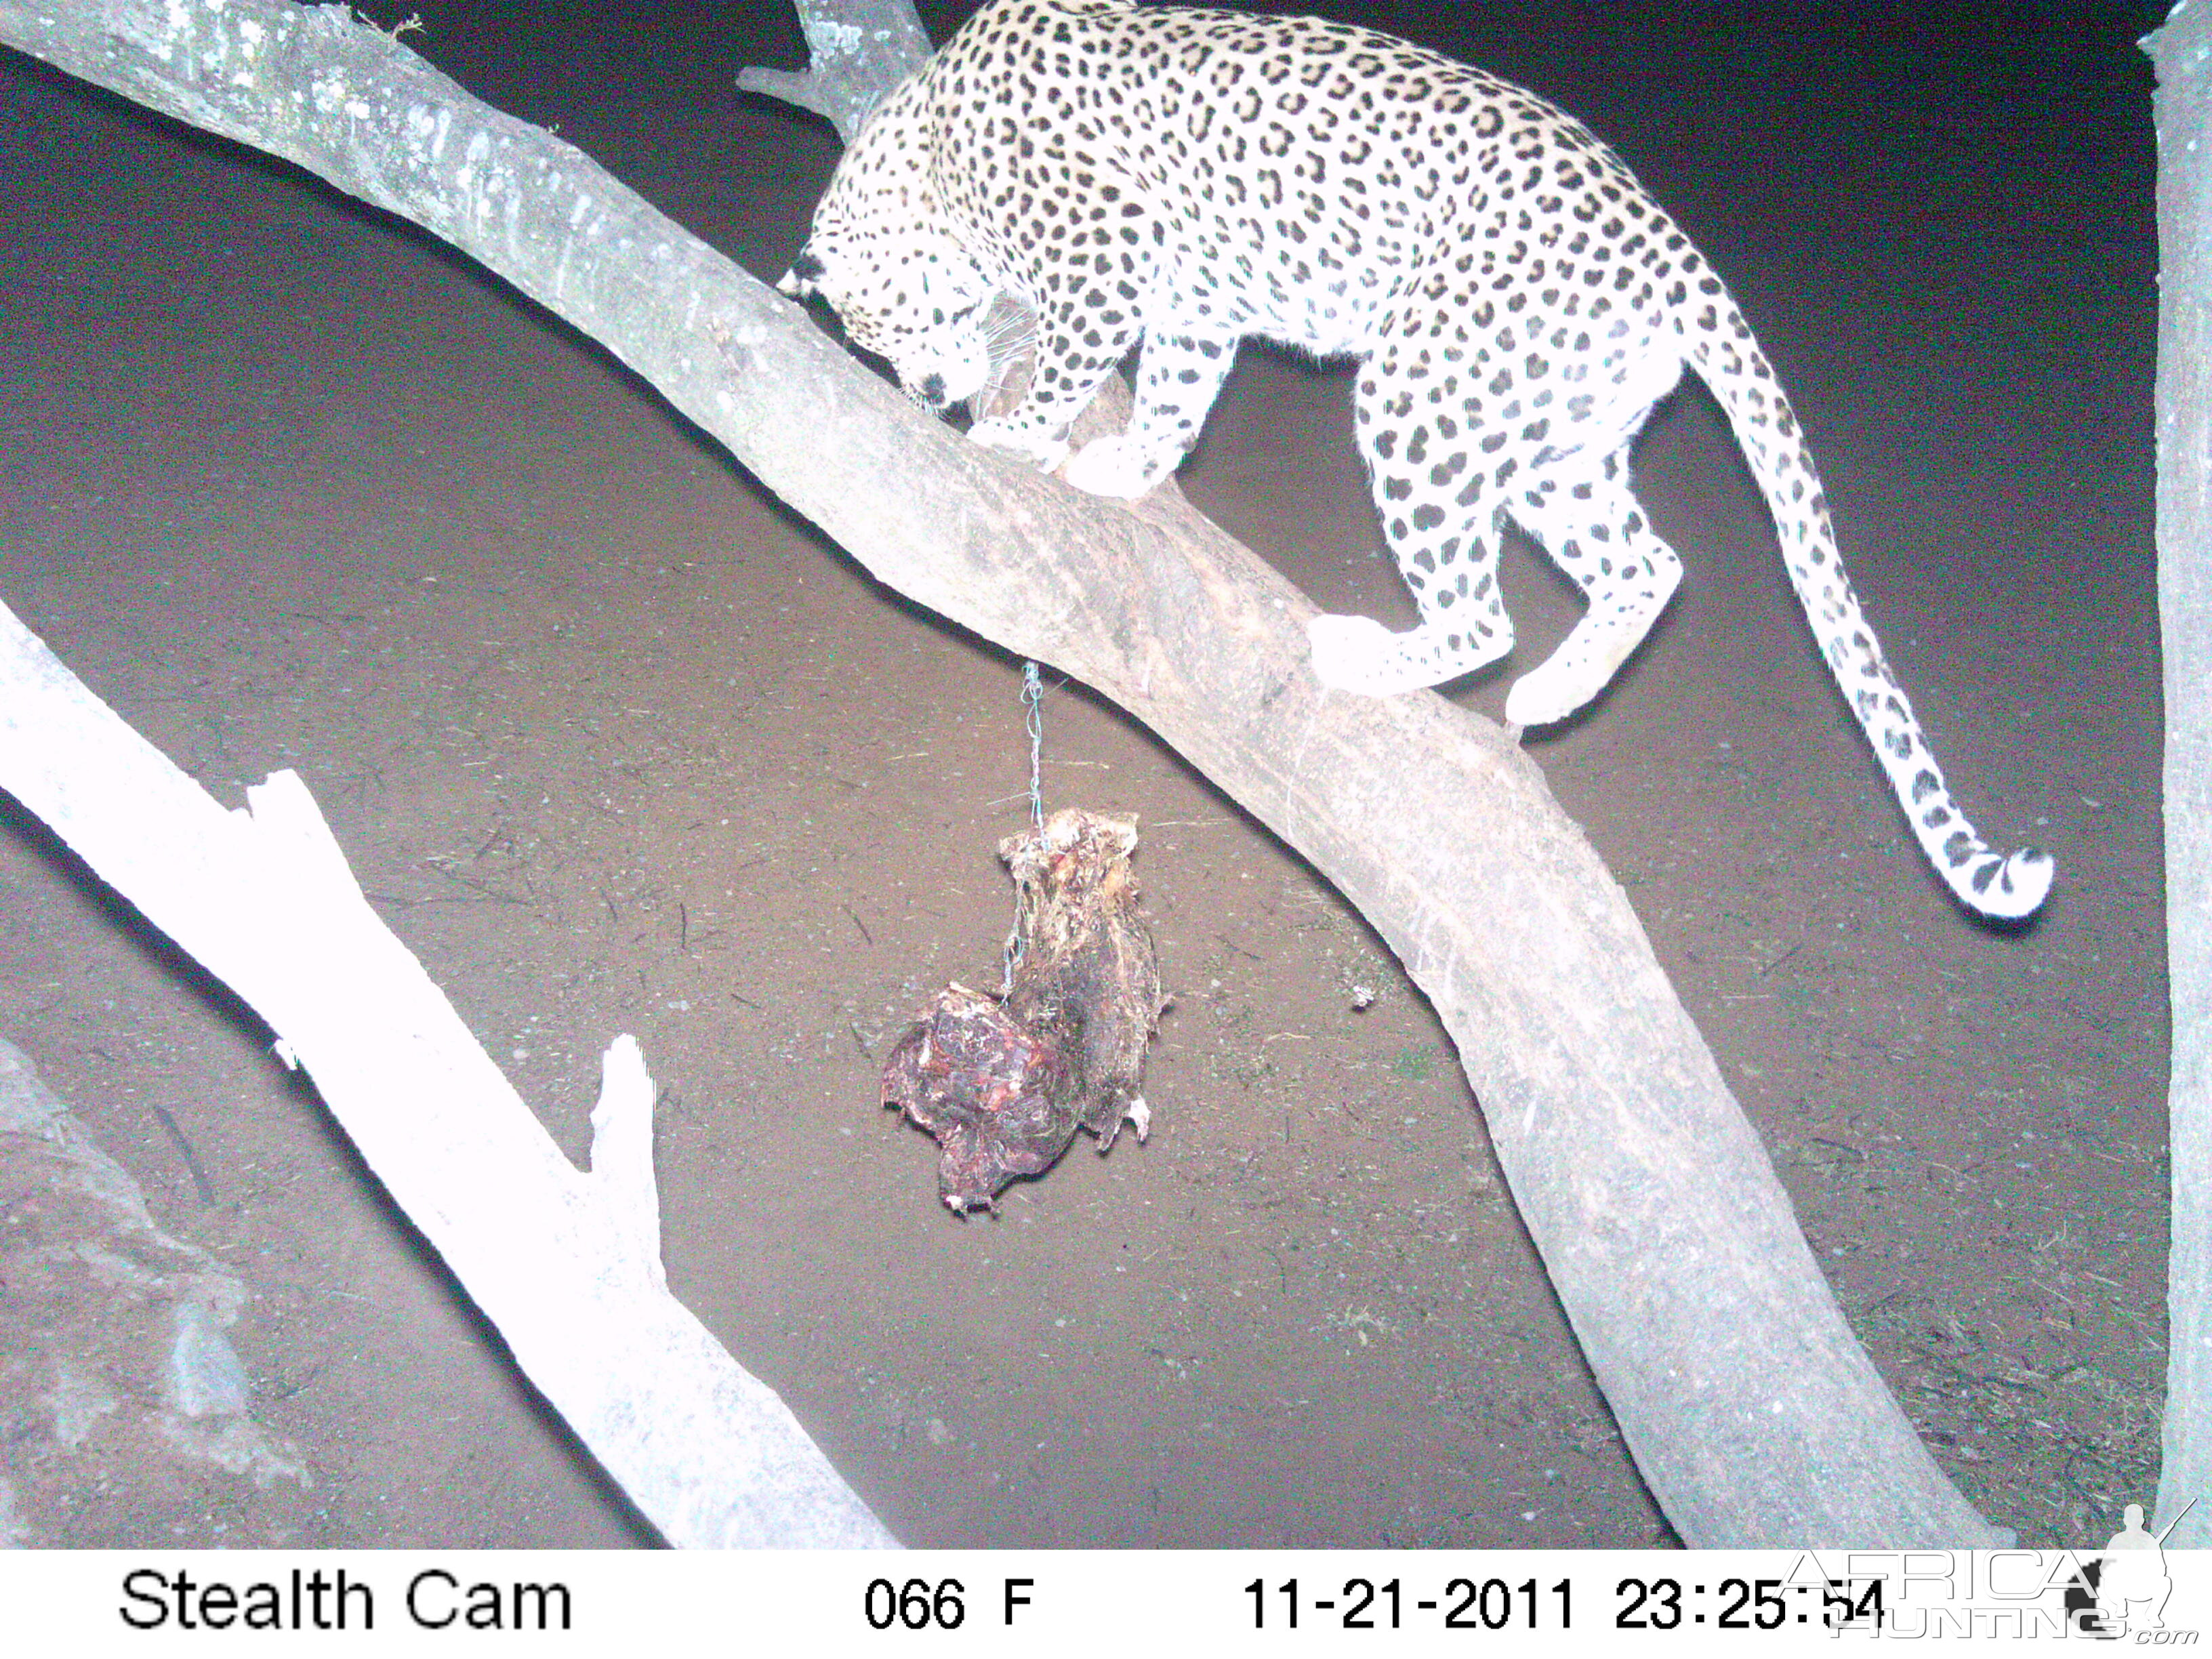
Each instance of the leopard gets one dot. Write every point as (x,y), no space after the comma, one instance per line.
(1181,180)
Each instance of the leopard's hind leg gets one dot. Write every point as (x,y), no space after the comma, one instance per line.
(1580,507)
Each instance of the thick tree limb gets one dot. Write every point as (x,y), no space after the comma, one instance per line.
(567,1265)
(1750,1409)
(2181,50)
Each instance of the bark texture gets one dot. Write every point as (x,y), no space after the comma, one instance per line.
(1750,1410)
(2180,51)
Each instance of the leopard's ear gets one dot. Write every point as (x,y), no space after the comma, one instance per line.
(799,282)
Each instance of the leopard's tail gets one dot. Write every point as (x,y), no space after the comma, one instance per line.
(1718,343)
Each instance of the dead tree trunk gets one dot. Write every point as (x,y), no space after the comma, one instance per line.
(566,1263)
(1750,1410)
(2185,605)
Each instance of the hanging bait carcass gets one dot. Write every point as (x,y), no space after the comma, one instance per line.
(1003,1083)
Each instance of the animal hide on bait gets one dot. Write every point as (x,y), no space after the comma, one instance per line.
(1003,1083)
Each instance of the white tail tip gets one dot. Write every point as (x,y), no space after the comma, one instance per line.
(2006,889)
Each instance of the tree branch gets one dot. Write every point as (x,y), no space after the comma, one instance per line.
(2184,603)
(1752,1412)
(567,1265)
(858,51)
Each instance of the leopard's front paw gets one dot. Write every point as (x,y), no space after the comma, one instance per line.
(1039,449)
(1115,466)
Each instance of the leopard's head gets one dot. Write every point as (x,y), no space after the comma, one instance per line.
(883,254)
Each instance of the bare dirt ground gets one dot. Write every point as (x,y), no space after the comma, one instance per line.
(618,745)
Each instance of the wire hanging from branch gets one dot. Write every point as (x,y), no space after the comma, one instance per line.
(1033,698)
